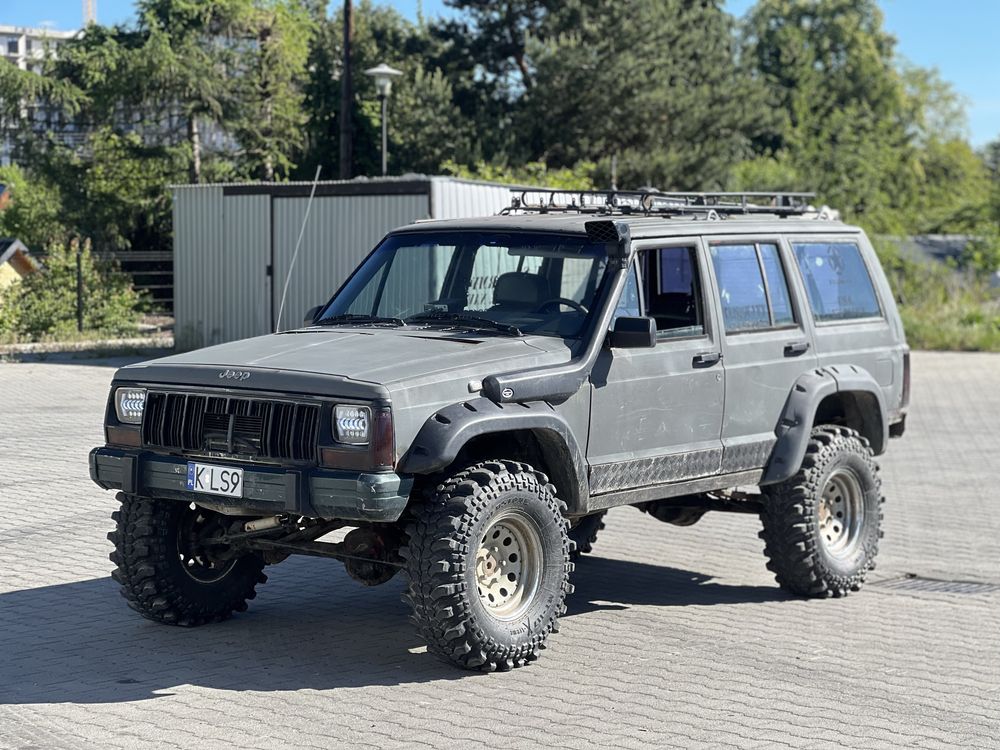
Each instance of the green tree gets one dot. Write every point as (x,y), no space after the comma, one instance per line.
(662,92)
(427,125)
(426,128)
(183,71)
(842,124)
(991,161)
(34,215)
(269,85)
(18,87)
(501,33)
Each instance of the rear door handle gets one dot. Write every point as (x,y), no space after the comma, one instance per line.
(796,348)
(705,359)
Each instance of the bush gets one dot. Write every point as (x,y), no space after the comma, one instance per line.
(941,308)
(43,305)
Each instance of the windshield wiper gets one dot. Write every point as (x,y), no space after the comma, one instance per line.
(352,318)
(465,320)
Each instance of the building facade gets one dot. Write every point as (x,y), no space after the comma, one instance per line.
(28,49)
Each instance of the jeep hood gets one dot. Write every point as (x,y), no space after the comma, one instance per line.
(382,356)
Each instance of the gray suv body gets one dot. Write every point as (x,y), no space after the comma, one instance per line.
(480,391)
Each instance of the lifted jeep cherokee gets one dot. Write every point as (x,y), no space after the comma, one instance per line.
(479,392)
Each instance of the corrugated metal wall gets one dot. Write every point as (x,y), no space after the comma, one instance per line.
(223,237)
(459,199)
(340,233)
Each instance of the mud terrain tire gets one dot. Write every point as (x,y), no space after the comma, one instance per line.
(822,526)
(154,580)
(458,565)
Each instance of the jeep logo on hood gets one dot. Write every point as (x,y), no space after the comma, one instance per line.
(234,375)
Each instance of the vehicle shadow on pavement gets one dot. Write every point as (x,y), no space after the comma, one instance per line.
(605,584)
(310,628)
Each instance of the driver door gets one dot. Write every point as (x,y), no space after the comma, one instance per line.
(656,414)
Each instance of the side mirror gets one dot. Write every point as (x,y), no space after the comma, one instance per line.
(310,317)
(633,333)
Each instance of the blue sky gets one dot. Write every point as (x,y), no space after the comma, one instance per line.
(956,36)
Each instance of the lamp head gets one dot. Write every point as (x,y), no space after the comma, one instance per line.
(383,76)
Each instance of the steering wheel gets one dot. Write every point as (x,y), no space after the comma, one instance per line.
(561,301)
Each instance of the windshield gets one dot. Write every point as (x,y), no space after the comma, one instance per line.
(511,283)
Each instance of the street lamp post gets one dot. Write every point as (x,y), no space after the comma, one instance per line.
(383,76)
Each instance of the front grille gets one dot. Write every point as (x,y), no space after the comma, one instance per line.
(256,428)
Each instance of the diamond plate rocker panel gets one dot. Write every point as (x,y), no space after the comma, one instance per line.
(642,472)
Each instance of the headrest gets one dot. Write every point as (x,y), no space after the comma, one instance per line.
(519,289)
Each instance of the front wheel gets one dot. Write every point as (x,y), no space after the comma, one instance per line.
(583,533)
(822,527)
(170,570)
(488,559)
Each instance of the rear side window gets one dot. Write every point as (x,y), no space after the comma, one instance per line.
(777,285)
(837,281)
(752,286)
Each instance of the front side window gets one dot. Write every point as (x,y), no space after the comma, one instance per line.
(672,291)
(542,284)
(837,281)
(628,303)
(753,287)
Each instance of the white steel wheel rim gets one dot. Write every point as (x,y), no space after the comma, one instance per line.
(841,513)
(509,565)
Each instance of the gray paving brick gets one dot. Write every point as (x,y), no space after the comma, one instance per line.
(675,637)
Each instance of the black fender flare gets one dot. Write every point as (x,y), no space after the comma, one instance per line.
(448,430)
(797,418)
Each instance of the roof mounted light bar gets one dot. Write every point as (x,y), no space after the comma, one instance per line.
(654,202)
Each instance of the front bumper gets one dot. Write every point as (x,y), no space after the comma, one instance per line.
(315,493)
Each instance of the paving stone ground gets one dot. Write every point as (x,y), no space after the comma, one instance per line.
(675,637)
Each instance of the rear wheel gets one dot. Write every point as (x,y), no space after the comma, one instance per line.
(169,568)
(488,558)
(822,527)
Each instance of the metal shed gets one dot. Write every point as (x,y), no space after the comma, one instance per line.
(233,244)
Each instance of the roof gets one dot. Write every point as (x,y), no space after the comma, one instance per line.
(15,252)
(37,33)
(361,185)
(640,226)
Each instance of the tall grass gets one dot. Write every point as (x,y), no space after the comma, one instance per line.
(942,307)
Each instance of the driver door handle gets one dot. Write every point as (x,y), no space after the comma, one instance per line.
(706,359)
(795,348)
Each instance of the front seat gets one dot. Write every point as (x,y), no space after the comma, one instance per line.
(518,291)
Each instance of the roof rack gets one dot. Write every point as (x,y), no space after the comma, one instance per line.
(656,203)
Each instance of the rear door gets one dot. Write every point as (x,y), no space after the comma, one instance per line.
(656,414)
(766,343)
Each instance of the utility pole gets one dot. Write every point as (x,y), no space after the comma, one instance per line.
(79,285)
(346,98)
(89,12)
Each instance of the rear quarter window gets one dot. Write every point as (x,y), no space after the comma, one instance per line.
(837,281)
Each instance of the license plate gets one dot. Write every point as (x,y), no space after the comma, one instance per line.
(215,480)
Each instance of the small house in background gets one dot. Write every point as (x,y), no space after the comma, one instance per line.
(15,263)
(4,196)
